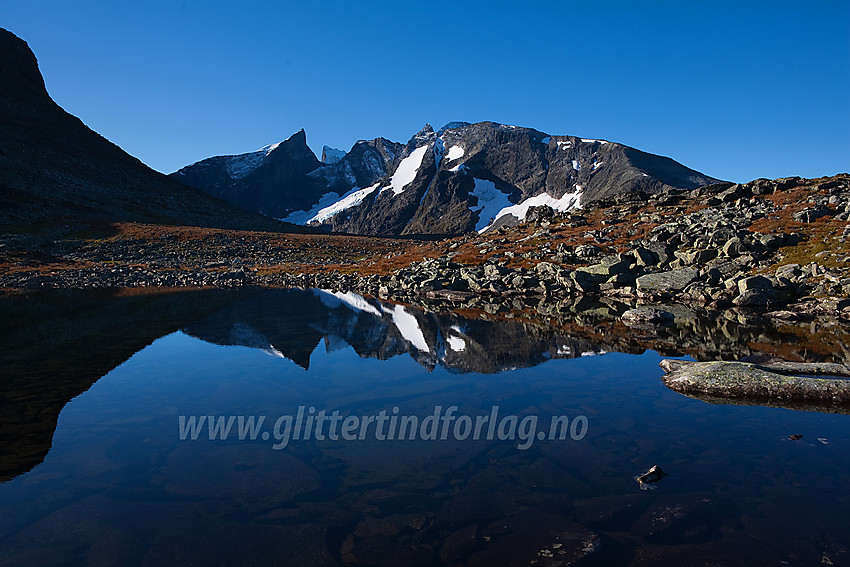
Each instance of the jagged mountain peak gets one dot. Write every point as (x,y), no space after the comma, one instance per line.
(331,155)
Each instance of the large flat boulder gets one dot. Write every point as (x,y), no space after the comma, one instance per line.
(672,280)
(747,381)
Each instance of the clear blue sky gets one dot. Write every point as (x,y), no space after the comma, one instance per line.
(737,90)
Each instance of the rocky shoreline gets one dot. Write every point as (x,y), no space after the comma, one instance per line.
(772,246)
(771,253)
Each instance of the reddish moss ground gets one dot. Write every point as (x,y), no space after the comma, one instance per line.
(313,253)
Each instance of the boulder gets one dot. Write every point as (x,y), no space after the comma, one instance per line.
(587,250)
(754,283)
(670,281)
(750,381)
(539,213)
(734,247)
(789,271)
(644,257)
(812,214)
(586,281)
(696,256)
(609,266)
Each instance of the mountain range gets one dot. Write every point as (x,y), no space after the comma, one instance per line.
(54,170)
(461,178)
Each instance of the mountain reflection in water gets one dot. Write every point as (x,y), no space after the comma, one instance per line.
(117,486)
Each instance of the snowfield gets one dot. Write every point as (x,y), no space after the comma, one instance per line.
(455,152)
(491,202)
(406,171)
(350,199)
(567,202)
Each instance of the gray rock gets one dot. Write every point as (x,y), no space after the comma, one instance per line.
(586,281)
(696,256)
(789,271)
(539,213)
(662,251)
(734,247)
(754,283)
(620,280)
(587,250)
(644,257)
(670,281)
(812,214)
(746,380)
(654,474)
(610,266)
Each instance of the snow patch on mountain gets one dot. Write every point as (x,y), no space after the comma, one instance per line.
(350,199)
(592,141)
(567,202)
(303,217)
(490,202)
(564,144)
(270,148)
(455,152)
(238,166)
(406,171)
(576,165)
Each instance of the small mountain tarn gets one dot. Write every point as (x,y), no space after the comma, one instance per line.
(92,332)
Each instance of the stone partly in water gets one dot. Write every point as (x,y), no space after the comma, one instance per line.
(654,474)
(747,381)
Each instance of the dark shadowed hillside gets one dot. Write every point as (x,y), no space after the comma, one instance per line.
(55,170)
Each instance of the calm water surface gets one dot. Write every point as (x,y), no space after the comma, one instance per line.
(118,485)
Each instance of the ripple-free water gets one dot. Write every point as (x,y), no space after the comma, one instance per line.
(119,485)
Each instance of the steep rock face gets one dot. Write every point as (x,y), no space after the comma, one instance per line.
(331,155)
(55,170)
(259,180)
(472,177)
(283,178)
